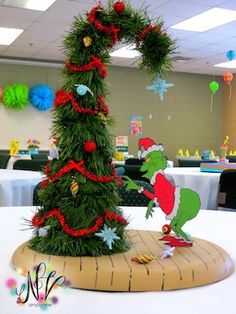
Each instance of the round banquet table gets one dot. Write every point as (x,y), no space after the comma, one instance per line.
(204,183)
(17,187)
(217,298)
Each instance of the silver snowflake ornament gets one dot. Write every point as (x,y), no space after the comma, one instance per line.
(168,251)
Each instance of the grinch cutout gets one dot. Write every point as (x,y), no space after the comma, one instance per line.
(178,203)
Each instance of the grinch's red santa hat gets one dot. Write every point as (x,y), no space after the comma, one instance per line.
(149,146)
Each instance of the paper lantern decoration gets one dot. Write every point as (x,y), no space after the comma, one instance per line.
(41,97)
(228,76)
(214,86)
(230,55)
(15,96)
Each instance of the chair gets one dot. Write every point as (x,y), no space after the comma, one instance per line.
(193,163)
(36,201)
(133,197)
(4,160)
(39,156)
(227,191)
(134,161)
(231,158)
(134,173)
(33,165)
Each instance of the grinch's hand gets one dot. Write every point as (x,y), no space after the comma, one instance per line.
(130,184)
(150,210)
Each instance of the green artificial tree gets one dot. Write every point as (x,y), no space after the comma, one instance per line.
(79,214)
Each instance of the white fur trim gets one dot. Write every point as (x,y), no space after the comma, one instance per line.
(139,154)
(176,204)
(152,148)
(156,202)
(141,189)
(153,178)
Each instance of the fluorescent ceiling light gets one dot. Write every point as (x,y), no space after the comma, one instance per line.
(126,52)
(228,64)
(8,35)
(40,5)
(207,20)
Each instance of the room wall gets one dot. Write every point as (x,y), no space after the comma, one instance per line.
(182,120)
(229,115)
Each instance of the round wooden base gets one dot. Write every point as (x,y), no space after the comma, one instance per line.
(201,264)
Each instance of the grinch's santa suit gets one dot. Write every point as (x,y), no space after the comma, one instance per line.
(176,202)
(165,195)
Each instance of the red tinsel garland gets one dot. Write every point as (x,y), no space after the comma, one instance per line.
(93,177)
(62,97)
(102,105)
(146,31)
(79,167)
(105,29)
(96,63)
(38,221)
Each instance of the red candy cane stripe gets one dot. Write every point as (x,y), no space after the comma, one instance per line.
(38,221)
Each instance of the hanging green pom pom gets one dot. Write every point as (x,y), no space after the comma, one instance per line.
(16,96)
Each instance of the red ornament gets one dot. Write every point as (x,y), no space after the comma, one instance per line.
(228,76)
(166,229)
(119,7)
(90,146)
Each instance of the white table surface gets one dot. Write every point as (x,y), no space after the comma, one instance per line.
(217,298)
(17,186)
(204,183)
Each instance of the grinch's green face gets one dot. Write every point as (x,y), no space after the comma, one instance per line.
(153,162)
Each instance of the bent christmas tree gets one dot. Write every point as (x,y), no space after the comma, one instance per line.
(79,212)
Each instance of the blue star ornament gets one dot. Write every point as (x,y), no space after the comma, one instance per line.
(108,235)
(160,86)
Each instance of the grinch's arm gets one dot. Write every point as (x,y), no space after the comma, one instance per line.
(130,184)
(147,193)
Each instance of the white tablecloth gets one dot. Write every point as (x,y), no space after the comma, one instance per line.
(17,186)
(204,183)
(218,298)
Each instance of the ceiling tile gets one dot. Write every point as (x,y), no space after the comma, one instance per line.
(44,31)
(182,8)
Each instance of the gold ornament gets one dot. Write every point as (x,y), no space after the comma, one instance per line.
(102,117)
(87,41)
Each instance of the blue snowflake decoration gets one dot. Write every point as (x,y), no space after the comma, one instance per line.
(160,86)
(108,235)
